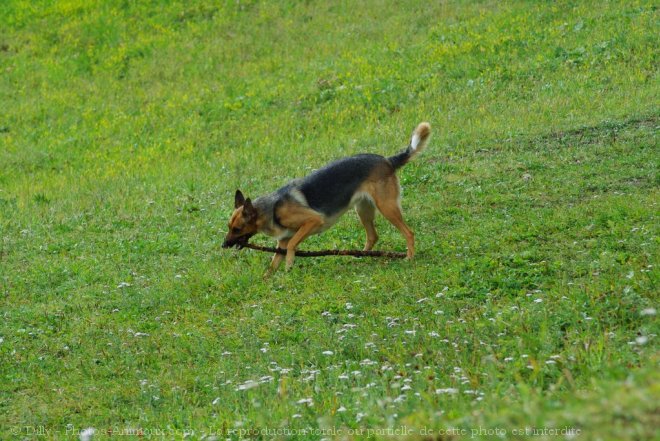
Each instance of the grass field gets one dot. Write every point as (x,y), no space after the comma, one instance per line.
(126,127)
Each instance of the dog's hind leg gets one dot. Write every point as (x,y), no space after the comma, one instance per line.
(387,201)
(367,212)
(392,213)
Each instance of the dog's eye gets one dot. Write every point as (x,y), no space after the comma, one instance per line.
(235,230)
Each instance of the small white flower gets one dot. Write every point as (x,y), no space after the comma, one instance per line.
(359,416)
(448,390)
(508,359)
(411,332)
(296,415)
(87,434)
(647,311)
(328,353)
(641,340)
(392,321)
(349,305)
(307,401)
(216,401)
(250,384)
(550,362)
(123,285)
(538,300)
(422,300)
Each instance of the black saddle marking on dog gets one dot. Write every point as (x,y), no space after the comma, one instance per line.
(329,190)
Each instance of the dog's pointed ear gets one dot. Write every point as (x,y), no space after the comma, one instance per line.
(239,199)
(249,212)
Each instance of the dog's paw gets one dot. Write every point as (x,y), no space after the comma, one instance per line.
(289,261)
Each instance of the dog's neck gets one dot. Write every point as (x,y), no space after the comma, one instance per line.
(266,223)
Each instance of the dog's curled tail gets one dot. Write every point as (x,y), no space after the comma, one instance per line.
(418,142)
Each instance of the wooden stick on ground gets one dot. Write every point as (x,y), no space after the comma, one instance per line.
(390,254)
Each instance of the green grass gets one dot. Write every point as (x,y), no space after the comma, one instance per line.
(126,127)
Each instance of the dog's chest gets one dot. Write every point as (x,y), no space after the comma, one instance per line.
(278,232)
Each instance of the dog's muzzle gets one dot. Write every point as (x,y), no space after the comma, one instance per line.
(238,242)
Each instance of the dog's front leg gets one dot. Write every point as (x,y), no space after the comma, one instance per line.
(277,258)
(303,232)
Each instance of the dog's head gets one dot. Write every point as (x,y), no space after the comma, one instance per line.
(243,222)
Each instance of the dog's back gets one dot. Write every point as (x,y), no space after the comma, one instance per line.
(329,190)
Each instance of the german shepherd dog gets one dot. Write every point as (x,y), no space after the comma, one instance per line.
(314,203)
